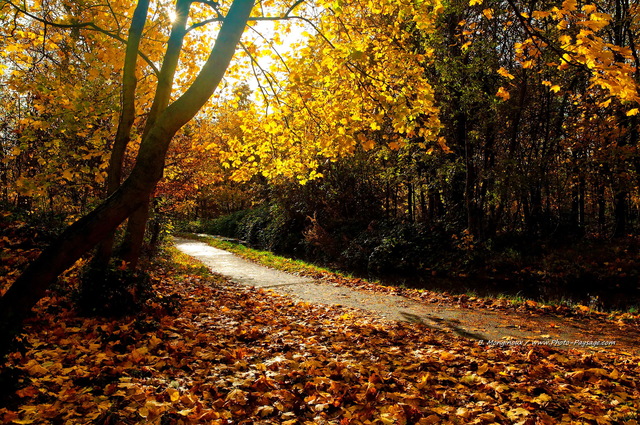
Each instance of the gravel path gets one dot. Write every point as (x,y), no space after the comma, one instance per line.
(506,328)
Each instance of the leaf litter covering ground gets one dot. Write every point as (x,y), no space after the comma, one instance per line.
(207,351)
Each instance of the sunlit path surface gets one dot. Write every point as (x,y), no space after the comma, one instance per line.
(237,269)
(465,322)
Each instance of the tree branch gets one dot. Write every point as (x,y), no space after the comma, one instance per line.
(270,78)
(169,64)
(536,35)
(83,25)
(187,105)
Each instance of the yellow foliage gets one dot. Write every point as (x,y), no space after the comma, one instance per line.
(351,82)
(503,94)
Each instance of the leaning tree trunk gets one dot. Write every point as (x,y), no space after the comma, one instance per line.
(84,234)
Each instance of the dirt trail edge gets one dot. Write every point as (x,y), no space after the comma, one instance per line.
(488,327)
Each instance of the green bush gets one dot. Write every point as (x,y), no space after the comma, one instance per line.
(267,227)
(192,226)
(227,225)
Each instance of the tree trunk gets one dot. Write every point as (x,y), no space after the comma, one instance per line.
(134,238)
(582,222)
(423,204)
(84,234)
(410,202)
(620,213)
(602,208)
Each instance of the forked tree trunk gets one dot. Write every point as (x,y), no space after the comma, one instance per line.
(136,226)
(84,234)
(135,230)
(127,118)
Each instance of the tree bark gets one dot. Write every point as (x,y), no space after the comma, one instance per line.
(84,234)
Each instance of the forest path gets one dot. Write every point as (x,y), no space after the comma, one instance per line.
(490,327)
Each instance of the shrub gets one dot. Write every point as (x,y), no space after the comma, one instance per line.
(228,225)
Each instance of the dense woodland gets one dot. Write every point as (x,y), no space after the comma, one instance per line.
(520,164)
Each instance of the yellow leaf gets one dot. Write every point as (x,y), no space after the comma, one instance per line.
(447,356)
(432,419)
(517,413)
(144,412)
(34,368)
(542,398)
(503,94)
(488,13)
(540,14)
(474,2)
(595,25)
(632,112)
(605,104)
(238,396)
(23,421)
(67,174)
(265,410)
(555,88)
(174,394)
(564,39)
(505,73)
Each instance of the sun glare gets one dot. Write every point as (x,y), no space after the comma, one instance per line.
(172,15)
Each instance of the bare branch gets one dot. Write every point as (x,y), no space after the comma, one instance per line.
(293,6)
(269,77)
(213,4)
